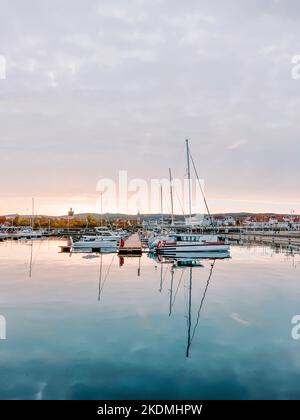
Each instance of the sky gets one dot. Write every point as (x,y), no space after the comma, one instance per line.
(94,88)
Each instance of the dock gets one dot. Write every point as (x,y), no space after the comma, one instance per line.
(132,246)
(287,239)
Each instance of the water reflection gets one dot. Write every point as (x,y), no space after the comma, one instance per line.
(182,263)
(98,326)
(106,276)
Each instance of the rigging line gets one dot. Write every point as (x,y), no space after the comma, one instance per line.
(180,203)
(201,189)
(166,201)
(202,300)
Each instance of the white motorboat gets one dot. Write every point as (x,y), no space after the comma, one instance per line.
(26,233)
(105,234)
(93,242)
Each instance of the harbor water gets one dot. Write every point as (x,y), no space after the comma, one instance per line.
(90,326)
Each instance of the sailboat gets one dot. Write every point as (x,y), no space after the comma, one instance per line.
(191,242)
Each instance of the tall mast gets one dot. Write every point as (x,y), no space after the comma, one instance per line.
(161,205)
(189,178)
(32,217)
(171,195)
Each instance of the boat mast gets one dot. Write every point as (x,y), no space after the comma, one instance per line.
(171,195)
(161,206)
(32,216)
(189,178)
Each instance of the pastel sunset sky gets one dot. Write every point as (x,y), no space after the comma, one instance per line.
(95,87)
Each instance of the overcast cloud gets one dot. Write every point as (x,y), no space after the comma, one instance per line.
(96,86)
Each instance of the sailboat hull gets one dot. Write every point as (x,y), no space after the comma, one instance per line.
(193,248)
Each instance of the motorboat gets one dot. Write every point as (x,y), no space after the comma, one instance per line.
(93,242)
(104,233)
(26,233)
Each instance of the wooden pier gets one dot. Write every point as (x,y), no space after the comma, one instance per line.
(132,246)
(287,239)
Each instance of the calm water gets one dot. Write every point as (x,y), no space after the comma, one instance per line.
(88,328)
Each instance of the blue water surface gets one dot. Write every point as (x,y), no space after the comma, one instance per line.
(96,327)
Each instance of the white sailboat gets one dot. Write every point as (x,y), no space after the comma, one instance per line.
(189,242)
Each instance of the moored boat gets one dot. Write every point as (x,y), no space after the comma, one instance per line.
(192,243)
(26,233)
(93,242)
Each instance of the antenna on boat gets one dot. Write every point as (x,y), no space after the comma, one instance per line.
(171,195)
(189,178)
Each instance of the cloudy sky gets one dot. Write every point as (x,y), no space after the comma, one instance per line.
(95,87)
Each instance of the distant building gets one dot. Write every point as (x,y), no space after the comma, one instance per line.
(277,221)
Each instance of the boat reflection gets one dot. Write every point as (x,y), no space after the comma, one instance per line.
(187,265)
(103,280)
